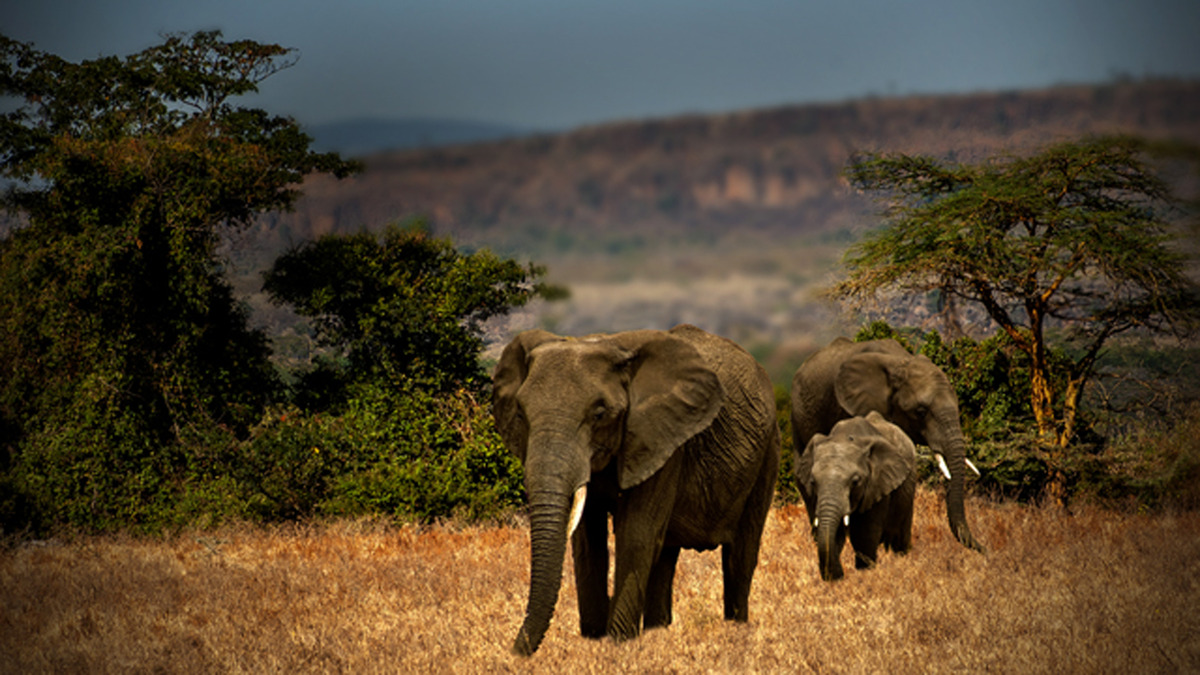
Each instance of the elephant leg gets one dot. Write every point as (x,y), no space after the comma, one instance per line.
(640,523)
(740,558)
(590,548)
(866,531)
(898,534)
(660,589)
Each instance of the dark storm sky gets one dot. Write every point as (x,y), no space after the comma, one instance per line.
(556,64)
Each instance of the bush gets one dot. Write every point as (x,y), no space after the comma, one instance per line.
(398,451)
(1156,467)
(786,489)
(95,465)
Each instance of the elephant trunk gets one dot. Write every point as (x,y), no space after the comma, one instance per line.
(830,538)
(553,471)
(953,449)
(548,514)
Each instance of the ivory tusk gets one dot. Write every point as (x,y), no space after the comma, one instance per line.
(972,466)
(942,465)
(846,520)
(577,509)
(816,521)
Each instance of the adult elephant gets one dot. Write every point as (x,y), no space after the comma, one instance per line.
(673,433)
(846,379)
(861,478)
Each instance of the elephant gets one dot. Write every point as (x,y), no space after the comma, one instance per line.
(672,432)
(847,379)
(861,478)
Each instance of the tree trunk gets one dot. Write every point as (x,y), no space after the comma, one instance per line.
(1042,396)
(1049,440)
(1070,411)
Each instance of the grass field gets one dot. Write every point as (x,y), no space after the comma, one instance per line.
(1092,591)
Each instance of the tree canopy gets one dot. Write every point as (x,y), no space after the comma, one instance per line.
(1075,240)
(119,334)
(403,304)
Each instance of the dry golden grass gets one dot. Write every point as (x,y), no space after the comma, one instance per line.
(1088,592)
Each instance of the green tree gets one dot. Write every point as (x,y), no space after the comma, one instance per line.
(404,305)
(1073,240)
(120,339)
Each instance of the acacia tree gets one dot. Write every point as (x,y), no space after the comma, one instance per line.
(1073,241)
(118,328)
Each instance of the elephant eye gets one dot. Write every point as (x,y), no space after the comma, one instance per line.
(599,411)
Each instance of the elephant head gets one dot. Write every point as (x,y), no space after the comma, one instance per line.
(571,407)
(917,396)
(861,461)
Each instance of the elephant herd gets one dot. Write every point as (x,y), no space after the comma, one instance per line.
(674,434)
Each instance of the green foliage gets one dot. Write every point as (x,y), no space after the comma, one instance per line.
(134,395)
(1157,467)
(399,451)
(120,338)
(1074,238)
(98,469)
(882,330)
(1152,462)
(404,305)
(991,380)
(785,486)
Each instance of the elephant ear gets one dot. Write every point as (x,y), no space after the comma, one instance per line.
(862,383)
(802,467)
(893,459)
(673,395)
(506,382)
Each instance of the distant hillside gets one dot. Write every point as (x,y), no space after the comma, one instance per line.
(356,138)
(774,169)
(732,222)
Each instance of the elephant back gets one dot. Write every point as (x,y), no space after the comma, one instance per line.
(750,394)
(815,407)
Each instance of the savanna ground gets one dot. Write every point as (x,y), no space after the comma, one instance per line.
(1090,591)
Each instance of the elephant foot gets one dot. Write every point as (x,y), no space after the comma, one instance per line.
(964,536)
(656,621)
(863,562)
(832,575)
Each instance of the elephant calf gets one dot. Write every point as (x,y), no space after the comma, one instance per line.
(860,478)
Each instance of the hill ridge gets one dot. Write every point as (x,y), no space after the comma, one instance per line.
(775,168)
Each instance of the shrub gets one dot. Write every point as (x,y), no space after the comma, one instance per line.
(1155,467)
(786,489)
(96,465)
(399,451)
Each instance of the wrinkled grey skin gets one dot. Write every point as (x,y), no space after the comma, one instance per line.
(673,433)
(864,471)
(846,379)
